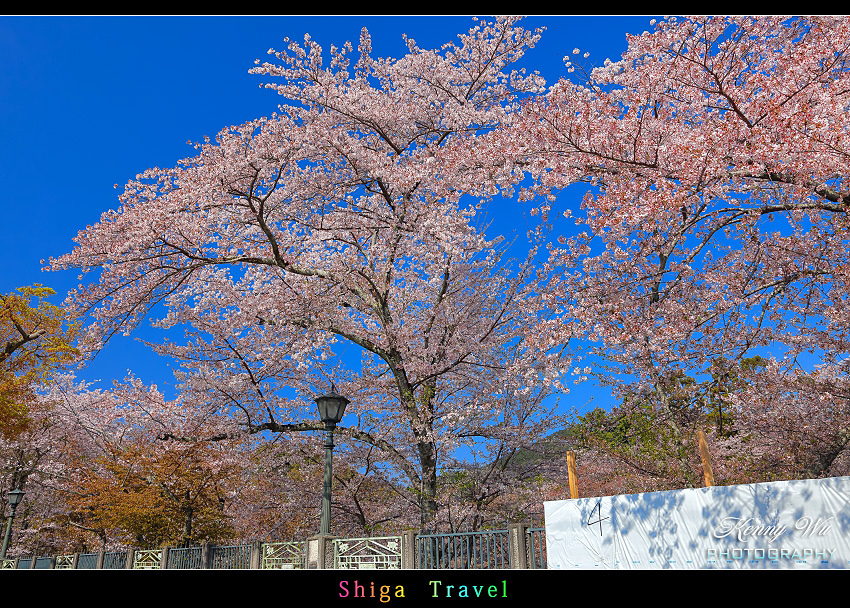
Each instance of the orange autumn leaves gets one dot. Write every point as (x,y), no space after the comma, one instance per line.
(35,338)
(153,494)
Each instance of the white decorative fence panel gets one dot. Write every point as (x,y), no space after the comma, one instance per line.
(147,559)
(283,556)
(368,553)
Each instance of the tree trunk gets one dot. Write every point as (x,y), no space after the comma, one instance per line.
(187,520)
(428,497)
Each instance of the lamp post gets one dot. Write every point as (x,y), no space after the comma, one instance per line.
(15,498)
(331,410)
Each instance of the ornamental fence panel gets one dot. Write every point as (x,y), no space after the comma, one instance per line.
(283,555)
(147,559)
(377,553)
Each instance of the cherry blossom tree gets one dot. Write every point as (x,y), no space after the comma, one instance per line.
(714,228)
(793,425)
(350,223)
(70,423)
(343,221)
(96,478)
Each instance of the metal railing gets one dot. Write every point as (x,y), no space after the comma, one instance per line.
(519,546)
(230,557)
(489,549)
(87,561)
(536,547)
(115,560)
(185,558)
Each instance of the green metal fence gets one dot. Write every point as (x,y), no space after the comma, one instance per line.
(230,557)
(115,560)
(185,558)
(536,547)
(488,549)
(87,561)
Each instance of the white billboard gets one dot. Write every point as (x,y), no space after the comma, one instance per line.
(785,524)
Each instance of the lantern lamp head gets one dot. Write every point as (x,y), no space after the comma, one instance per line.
(331,407)
(15,497)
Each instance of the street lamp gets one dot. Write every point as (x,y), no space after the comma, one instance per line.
(15,498)
(331,410)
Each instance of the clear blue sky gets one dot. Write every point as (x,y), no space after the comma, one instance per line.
(89,102)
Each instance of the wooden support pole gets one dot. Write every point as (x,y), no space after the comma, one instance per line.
(571,474)
(706,460)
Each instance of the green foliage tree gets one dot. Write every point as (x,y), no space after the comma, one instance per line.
(653,431)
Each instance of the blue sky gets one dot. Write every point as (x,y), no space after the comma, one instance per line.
(89,102)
